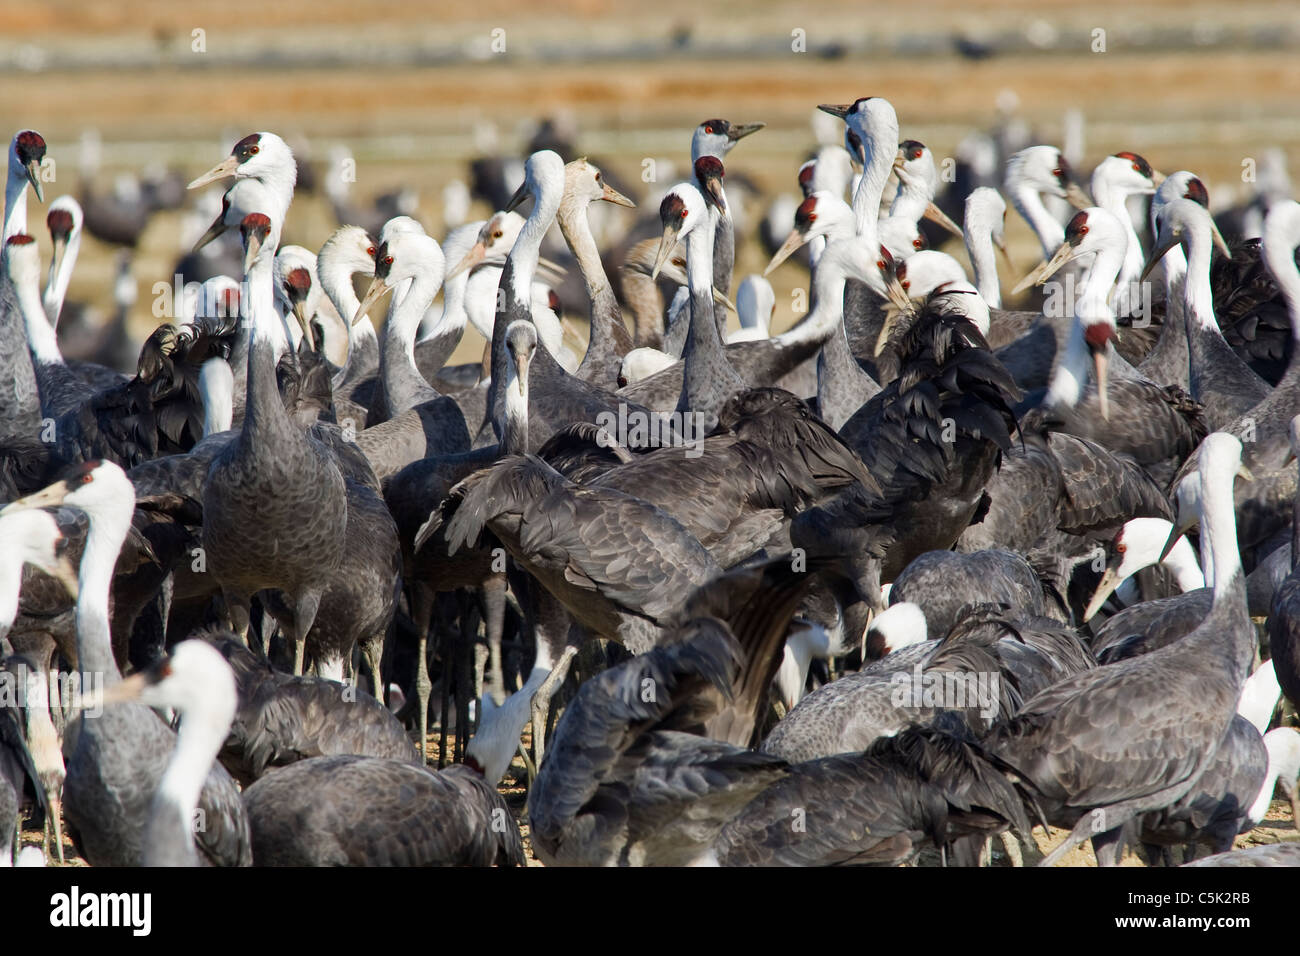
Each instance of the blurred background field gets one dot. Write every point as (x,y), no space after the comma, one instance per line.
(413,91)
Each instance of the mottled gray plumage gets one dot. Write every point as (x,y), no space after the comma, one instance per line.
(368,811)
(283,719)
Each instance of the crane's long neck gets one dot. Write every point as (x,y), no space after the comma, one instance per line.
(514,298)
(708,379)
(609,336)
(1181,561)
(11,577)
(108,530)
(404,387)
(514,440)
(217,388)
(15,202)
(363,342)
(169,837)
(827,316)
(979,246)
(42,341)
(866,198)
(1092,306)
(1282,265)
(910,202)
(1198,299)
(265,419)
(724,256)
(1114,201)
(56,287)
(1029,203)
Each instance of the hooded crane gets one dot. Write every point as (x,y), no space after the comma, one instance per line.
(1106,745)
(116,761)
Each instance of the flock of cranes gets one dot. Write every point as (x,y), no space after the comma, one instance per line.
(916,573)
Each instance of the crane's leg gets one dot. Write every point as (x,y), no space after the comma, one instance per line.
(373,651)
(542,701)
(422,598)
(238,608)
(304,616)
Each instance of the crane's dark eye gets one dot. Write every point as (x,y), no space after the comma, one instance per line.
(708,129)
(598,177)
(1121,547)
(685,213)
(1083,230)
(812,217)
(1057,172)
(1137,168)
(918,243)
(370,251)
(497,234)
(880,263)
(907,284)
(388,260)
(253,149)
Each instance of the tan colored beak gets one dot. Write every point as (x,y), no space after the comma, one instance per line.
(45,498)
(34,177)
(1100,366)
(840,111)
(1158,177)
(1047,269)
(1076,197)
(472,258)
(55,258)
(64,572)
(217,228)
(1001,243)
(304,322)
(252,246)
(1219,241)
(937,215)
(223,169)
(617,198)
(723,301)
(1105,588)
(377,290)
(127,689)
(667,243)
(521,363)
(788,248)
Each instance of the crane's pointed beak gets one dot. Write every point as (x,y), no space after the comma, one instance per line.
(34,177)
(937,215)
(517,200)
(45,498)
(223,169)
(611,194)
(1180,527)
(1158,252)
(217,228)
(716,198)
(60,245)
(788,248)
(739,132)
(1219,241)
(1157,177)
(472,258)
(1101,367)
(65,573)
(521,378)
(723,301)
(1046,270)
(1001,243)
(1105,588)
(304,322)
(377,290)
(667,243)
(1076,197)
(252,247)
(127,689)
(840,111)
